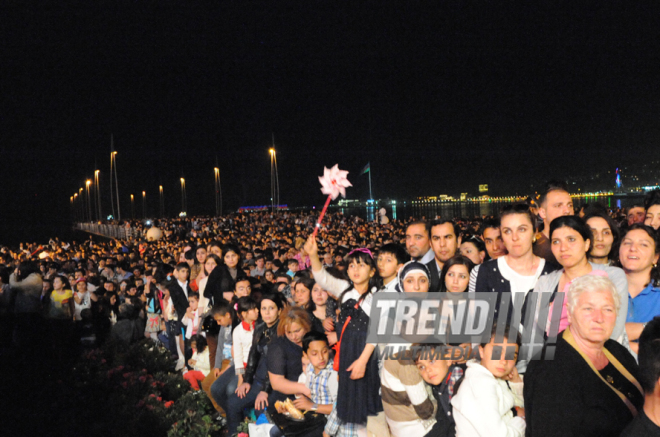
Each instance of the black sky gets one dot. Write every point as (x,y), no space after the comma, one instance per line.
(438,96)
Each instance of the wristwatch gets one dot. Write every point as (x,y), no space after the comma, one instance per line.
(314,407)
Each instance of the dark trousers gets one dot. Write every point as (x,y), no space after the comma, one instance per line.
(236,405)
(224,387)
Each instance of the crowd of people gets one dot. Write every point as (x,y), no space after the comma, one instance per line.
(262,315)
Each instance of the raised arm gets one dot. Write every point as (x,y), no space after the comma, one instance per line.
(329,283)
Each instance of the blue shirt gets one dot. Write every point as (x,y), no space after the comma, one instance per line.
(645,306)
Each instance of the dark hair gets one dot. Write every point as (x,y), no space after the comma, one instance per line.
(649,356)
(201,342)
(552,185)
(313,336)
(397,250)
(275,297)
(439,222)
(375,281)
(231,248)
(281,274)
(65,281)
(245,303)
(215,258)
(651,198)
(577,224)
(454,260)
(614,228)
(26,268)
(106,299)
(182,266)
(221,308)
(241,278)
(291,261)
(195,255)
(519,208)
(511,334)
(420,222)
(493,222)
(478,242)
(594,209)
(655,273)
(194,295)
(308,283)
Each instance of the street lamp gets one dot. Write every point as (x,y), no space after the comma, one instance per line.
(76,207)
(132,208)
(113,166)
(144,205)
(274,178)
(218,192)
(162,201)
(183,195)
(89,202)
(98,193)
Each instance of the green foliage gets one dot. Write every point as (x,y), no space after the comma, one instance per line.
(129,392)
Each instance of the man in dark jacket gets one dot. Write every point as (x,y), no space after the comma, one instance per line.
(445,241)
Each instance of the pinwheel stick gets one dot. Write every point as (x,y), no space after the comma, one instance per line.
(325,208)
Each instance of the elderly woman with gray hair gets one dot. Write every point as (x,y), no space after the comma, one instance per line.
(589,387)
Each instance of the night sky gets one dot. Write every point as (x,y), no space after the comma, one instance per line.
(439,98)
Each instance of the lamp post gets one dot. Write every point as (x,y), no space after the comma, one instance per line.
(113,165)
(98,193)
(183,195)
(75,202)
(162,201)
(218,193)
(89,202)
(274,179)
(144,205)
(132,208)
(81,201)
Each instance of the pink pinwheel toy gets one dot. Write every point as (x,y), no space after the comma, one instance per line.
(333,183)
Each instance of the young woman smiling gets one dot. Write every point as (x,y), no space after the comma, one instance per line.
(639,255)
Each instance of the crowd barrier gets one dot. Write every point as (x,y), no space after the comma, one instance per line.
(106,230)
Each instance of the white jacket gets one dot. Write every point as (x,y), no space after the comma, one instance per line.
(482,406)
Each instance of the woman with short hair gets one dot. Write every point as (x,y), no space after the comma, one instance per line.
(585,384)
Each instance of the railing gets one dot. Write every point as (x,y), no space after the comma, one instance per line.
(110,231)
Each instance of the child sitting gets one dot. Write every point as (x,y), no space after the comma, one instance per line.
(443,377)
(323,383)
(490,399)
(199,362)
(318,375)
